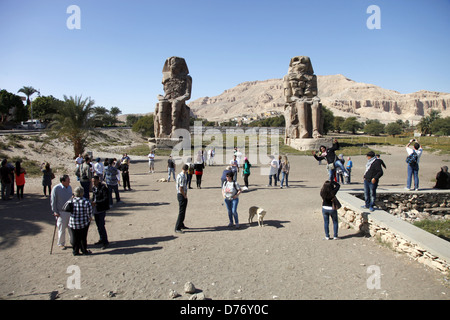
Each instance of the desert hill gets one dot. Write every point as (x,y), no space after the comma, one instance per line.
(345,97)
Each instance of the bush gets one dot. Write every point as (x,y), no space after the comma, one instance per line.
(145,126)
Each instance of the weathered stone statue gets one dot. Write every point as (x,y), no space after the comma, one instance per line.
(303,108)
(171,111)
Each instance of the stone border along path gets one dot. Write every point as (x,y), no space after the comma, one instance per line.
(404,237)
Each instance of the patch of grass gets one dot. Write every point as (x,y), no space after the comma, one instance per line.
(438,228)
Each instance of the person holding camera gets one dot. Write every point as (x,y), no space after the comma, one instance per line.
(413,159)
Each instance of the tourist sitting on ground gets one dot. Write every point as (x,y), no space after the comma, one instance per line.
(442,179)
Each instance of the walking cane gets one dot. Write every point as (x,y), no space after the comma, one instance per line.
(53,238)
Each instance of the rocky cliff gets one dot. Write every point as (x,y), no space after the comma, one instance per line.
(345,97)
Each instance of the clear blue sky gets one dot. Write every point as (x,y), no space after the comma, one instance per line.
(116,58)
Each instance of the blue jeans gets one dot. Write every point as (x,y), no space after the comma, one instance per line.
(86,186)
(232,210)
(326,221)
(370,193)
(413,171)
(274,176)
(100,222)
(285,176)
(331,173)
(114,188)
(171,170)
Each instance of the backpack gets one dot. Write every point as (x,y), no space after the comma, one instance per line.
(412,158)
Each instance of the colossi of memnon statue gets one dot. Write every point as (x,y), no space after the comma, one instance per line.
(303,110)
(171,112)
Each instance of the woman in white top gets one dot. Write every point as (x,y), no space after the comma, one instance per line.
(230,192)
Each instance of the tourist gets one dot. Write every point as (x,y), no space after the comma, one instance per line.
(199,165)
(413,164)
(85,173)
(190,172)
(224,175)
(246,171)
(279,168)
(98,169)
(79,222)
(171,168)
(5,174)
(442,179)
(20,179)
(330,155)
(349,167)
(78,162)
(126,158)
(372,177)
(285,168)
(230,192)
(151,162)
(328,194)
(382,162)
(47,177)
(111,174)
(181,186)
(125,169)
(339,171)
(100,203)
(61,193)
(234,166)
(273,171)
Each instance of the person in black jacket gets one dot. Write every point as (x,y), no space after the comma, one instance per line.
(328,192)
(100,201)
(332,161)
(372,176)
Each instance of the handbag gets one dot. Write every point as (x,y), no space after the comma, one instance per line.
(68,206)
(336,205)
(330,166)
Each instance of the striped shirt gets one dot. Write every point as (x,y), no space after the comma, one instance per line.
(82,211)
(181,182)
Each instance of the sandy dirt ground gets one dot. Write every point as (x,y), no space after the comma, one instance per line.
(287,259)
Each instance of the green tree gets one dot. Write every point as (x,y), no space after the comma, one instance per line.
(28,91)
(114,112)
(352,125)
(44,108)
(374,127)
(328,119)
(441,126)
(132,119)
(393,129)
(9,101)
(145,126)
(426,121)
(337,123)
(74,121)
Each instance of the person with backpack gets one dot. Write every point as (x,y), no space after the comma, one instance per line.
(230,192)
(412,160)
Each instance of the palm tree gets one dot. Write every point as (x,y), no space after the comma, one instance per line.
(73,121)
(28,91)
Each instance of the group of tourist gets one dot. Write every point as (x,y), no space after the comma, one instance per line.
(73,211)
(103,178)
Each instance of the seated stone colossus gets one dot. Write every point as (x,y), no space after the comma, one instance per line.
(303,110)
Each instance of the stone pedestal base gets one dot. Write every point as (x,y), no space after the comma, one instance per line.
(167,143)
(309,144)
